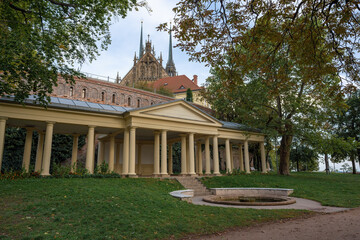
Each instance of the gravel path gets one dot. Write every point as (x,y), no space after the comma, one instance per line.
(327,226)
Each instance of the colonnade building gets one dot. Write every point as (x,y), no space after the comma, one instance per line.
(132,141)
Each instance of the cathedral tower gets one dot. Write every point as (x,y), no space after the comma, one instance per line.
(170,65)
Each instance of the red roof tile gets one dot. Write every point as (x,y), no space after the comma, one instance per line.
(176,84)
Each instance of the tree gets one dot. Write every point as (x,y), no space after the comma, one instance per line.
(348,127)
(284,56)
(303,158)
(43,40)
(189,95)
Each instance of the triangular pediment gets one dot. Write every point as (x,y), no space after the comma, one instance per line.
(178,111)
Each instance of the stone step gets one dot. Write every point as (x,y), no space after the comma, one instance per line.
(194,184)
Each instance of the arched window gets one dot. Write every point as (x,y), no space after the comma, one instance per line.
(138,103)
(84,93)
(113,98)
(102,96)
(71,92)
(129,101)
(152,103)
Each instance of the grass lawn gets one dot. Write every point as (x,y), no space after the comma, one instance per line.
(114,208)
(341,190)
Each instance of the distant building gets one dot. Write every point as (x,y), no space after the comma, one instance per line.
(148,68)
(178,85)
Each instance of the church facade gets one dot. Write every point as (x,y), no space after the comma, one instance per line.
(147,68)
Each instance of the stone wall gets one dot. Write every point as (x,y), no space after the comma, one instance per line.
(94,90)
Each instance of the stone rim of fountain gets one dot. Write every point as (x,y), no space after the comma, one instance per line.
(222,196)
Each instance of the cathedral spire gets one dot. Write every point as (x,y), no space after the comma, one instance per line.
(170,65)
(141,50)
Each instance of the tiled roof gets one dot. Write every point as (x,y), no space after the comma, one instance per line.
(65,103)
(238,126)
(176,84)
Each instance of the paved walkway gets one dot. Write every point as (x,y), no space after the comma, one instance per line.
(301,203)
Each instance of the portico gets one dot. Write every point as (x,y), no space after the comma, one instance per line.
(133,142)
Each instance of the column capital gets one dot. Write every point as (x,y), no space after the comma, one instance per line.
(77,135)
(91,126)
(156,132)
(50,122)
(30,128)
(183,135)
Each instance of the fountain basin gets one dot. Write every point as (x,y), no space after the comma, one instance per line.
(250,196)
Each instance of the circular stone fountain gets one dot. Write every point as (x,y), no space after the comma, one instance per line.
(250,196)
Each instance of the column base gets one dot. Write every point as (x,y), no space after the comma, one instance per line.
(133,175)
(192,174)
(164,175)
(217,174)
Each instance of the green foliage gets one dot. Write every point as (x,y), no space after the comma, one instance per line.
(42,40)
(126,208)
(341,190)
(270,70)
(14,148)
(103,168)
(303,158)
(189,95)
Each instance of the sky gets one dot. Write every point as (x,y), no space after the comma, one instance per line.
(125,35)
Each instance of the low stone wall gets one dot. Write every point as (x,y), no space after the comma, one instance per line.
(184,195)
(252,192)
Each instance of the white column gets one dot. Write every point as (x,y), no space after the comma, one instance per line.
(101,152)
(187,157)
(216,155)
(156,153)
(263,161)
(199,157)
(191,154)
(112,153)
(132,153)
(117,158)
(2,138)
(231,156)
(183,154)
(241,158)
(47,149)
(27,149)
(227,153)
(139,160)
(247,161)
(125,164)
(74,152)
(170,159)
(89,164)
(207,155)
(39,152)
(163,153)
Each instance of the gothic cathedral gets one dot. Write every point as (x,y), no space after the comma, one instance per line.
(148,68)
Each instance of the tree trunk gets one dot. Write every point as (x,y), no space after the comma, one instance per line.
(297,164)
(352,158)
(327,164)
(285,146)
(358,155)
